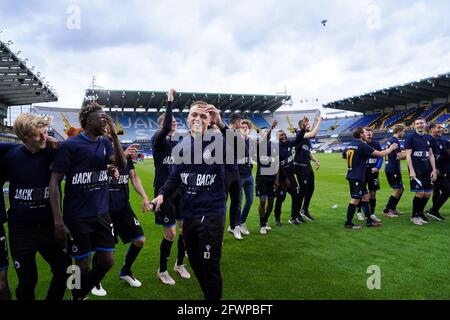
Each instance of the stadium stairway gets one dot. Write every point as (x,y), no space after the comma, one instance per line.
(398,117)
(409,120)
(440,114)
(431,112)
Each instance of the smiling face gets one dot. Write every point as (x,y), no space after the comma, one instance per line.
(245,130)
(437,130)
(198,119)
(38,140)
(419,125)
(282,137)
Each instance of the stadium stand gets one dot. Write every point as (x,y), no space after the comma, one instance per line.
(365,121)
(18,86)
(382,109)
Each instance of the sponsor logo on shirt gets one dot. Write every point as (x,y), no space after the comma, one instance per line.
(421,154)
(33,194)
(82,178)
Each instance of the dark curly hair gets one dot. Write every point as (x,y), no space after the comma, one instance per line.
(86,111)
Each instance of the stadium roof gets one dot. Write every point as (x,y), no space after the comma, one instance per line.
(413,92)
(146,100)
(18,84)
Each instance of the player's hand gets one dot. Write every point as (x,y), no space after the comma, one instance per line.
(171,95)
(113,172)
(276,185)
(375,170)
(157,203)
(412,175)
(109,126)
(274,124)
(146,205)
(317,164)
(434,175)
(62,234)
(131,150)
(287,183)
(215,115)
(52,143)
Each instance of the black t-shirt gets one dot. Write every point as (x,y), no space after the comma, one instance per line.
(245,164)
(84,162)
(202,186)
(392,163)
(440,151)
(29,176)
(118,188)
(303,152)
(357,153)
(420,146)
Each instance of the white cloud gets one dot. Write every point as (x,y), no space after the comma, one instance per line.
(233,46)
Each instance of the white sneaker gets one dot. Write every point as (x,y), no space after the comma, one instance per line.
(416,221)
(423,221)
(244,229)
(165,278)
(268,227)
(99,291)
(131,280)
(263,230)
(237,233)
(181,270)
(360,216)
(374,218)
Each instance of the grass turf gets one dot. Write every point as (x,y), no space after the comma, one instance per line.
(317,260)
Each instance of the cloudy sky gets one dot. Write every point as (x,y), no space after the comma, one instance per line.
(254,46)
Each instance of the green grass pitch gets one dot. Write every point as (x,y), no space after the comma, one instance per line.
(318,260)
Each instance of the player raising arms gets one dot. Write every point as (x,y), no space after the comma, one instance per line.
(168,217)
(287,172)
(86,225)
(203,198)
(357,153)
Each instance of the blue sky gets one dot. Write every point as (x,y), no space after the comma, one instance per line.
(255,46)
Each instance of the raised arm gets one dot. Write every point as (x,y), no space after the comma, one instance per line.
(161,134)
(315,130)
(384,152)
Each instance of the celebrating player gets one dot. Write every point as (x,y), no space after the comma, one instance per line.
(86,225)
(357,153)
(168,217)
